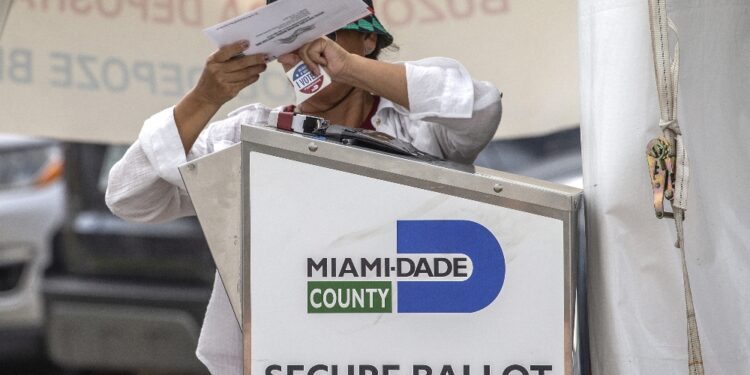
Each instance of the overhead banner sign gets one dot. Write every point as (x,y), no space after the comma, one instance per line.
(425,284)
(93,70)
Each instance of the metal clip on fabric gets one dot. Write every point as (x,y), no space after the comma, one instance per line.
(661,166)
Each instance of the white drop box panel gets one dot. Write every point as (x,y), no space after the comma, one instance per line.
(353,261)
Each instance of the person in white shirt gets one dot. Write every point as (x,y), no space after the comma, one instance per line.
(433,103)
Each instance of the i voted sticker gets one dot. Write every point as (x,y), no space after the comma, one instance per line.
(306,84)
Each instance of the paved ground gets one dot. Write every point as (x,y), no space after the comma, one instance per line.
(43,367)
(29,368)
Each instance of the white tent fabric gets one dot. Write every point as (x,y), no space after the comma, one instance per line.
(4,10)
(636,301)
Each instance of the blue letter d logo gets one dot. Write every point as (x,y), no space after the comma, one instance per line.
(451,236)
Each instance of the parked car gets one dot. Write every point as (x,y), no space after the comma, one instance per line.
(123,296)
(31,211)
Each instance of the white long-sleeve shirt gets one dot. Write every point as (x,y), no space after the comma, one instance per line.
(450,115)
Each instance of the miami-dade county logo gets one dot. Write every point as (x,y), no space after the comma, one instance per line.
(304,80)
(442,266)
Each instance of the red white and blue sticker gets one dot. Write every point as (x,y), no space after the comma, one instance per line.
(305,83)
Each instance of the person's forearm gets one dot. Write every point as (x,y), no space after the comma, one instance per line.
(225,74)
(191,114)
(380,78)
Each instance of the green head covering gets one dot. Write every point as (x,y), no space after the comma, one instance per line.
(371,24)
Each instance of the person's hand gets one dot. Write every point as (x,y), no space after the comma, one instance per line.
(227,72)
(321,52)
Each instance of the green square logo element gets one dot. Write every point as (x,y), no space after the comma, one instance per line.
(349,297)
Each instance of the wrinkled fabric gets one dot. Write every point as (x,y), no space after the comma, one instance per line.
(636,298)
(451,115)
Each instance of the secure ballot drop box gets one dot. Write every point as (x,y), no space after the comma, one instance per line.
(340,260)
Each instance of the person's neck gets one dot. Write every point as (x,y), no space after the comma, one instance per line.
(350,111)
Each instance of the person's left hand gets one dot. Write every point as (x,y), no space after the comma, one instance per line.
(321,52)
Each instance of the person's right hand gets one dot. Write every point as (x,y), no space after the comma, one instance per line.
(227,72)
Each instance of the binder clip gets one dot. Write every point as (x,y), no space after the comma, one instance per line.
(661,167)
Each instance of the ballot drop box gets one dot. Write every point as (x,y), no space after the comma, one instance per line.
(341,260)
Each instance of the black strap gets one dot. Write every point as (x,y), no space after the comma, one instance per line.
(373,140)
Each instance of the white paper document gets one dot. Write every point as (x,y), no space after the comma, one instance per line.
(286,25)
